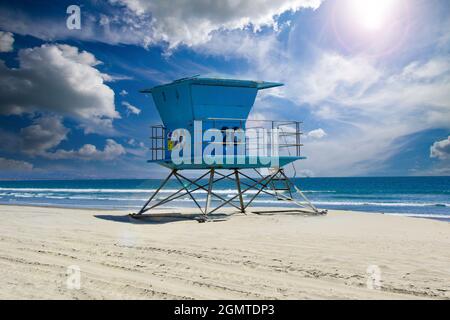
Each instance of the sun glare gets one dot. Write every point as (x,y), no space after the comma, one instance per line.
(372,14)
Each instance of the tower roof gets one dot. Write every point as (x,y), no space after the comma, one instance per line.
(259,85)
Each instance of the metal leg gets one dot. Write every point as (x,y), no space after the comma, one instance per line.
(313,207)
(208,196)
(214,181)
(243,192)
(238,186)
(188,192)
(308,204)
(177,194)
(156,192)
(249,185)
(263,187)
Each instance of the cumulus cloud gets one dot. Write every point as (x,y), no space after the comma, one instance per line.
(138,148)
(14,165)
(103,25)
(241,44)
(192,22)
(44,134)
(6,41)
(145,23)
(441,149)
(316,134)
(134,143)
(131,109)
(89,152)
(62,80)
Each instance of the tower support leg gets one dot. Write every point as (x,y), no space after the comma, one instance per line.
(308,202)
(208,196)
(238,186)
(156,192)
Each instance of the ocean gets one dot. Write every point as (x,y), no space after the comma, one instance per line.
(413,196)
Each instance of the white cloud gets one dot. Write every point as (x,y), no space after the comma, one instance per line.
(428,70)
(326,112)
(138,150)
(145,23)
(305,173)
(59,79)
(241,44)
(374,109)
(89,152)
(110,26)
(134,143)
(336,78)
(44,134)
(316,134)
(131,109)
(6,41)
(41,138)
(123,93)
(441,149)
(14,165)
(370,106)
(35,140)
(192,22)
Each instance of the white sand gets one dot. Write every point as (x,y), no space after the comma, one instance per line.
(246,257)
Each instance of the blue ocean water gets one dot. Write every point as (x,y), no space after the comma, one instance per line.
(414,196)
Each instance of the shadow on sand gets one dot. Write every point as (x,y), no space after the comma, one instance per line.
(162,218)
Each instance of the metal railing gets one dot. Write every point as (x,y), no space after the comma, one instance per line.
(289,136)
(158,142)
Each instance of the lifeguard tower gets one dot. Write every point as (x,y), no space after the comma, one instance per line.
(199,105)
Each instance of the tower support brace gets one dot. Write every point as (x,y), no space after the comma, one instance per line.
(261,185)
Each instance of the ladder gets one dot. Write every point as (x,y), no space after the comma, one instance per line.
(280,185)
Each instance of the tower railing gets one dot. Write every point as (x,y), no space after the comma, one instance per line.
(288,135)
(158,142)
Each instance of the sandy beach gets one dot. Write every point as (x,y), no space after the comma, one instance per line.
(250,256)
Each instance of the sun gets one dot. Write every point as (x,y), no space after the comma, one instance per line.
(372,14)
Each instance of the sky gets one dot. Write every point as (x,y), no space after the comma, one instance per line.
(370,79)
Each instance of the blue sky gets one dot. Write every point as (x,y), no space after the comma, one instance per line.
(370,79)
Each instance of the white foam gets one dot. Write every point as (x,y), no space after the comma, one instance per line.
(72,190)
(418,215)
(26,193)
(381,204)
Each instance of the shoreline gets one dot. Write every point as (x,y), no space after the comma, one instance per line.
(281,256)
(409,215)
(411,196)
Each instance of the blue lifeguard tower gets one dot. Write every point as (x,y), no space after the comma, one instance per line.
(194,106)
